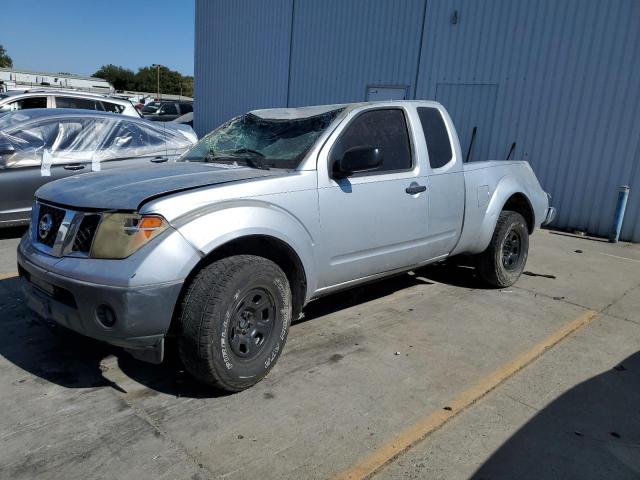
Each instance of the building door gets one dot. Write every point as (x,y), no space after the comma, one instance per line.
(387,93)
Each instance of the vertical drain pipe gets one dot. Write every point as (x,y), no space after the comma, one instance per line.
(623,195)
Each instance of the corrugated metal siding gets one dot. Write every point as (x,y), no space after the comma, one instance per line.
(339,47)
(569,92)
(566,75)
(471,106)
(241,58)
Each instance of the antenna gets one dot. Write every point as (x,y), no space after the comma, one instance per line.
(473,140)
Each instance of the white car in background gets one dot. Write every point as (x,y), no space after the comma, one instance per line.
(43,98)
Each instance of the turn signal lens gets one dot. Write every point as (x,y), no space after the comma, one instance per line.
(122,234)
(150,224)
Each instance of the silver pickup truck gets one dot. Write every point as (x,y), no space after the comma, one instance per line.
(275,208)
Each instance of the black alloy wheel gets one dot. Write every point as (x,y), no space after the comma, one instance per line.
(252,323)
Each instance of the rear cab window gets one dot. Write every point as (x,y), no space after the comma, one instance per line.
(436,136)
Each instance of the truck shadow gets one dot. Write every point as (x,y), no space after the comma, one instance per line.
(59,356)
(12,232)
(592,431)
(457,272)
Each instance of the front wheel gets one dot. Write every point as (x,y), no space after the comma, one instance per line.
(234,321)
(501,264)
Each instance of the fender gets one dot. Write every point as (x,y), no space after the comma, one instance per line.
(505,188)
(211,226)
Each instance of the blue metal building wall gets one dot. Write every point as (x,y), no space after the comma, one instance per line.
(568,80)
(339,47)
(560,79)
(241,58)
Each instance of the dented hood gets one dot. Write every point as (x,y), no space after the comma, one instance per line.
(128,188)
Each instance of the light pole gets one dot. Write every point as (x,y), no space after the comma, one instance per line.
(157,67)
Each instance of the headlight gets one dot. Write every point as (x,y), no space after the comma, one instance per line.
(121,234)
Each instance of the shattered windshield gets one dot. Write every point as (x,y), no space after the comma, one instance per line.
(261,142)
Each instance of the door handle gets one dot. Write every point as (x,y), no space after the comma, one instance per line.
(415,188)
(74,166)
(159,159)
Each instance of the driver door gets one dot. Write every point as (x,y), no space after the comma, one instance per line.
(376,221)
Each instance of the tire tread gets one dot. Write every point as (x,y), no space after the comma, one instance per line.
(205,292)
(489,270)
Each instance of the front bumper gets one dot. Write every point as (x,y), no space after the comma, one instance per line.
(142,313)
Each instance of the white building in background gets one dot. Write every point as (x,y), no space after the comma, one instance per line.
(14,79)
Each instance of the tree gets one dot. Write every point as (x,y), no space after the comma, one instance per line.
(170,81)
(146,80)
(187,86)
(5,60)
(121,78)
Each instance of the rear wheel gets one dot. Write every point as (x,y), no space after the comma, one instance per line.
(235,318)
(501,264)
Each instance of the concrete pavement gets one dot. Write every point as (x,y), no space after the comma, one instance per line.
(74,408)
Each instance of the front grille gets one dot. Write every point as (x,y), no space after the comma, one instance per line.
(86,231)
(49,220)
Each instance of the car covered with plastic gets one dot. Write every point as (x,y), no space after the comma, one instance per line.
(41,145)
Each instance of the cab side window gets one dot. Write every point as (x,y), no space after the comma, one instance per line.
(169,109)
(436,136)
(25,103)
(27,144)
(140,138)
(112,107)
(385,129)
(81,103)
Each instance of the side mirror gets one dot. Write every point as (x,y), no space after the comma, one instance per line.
(357,160)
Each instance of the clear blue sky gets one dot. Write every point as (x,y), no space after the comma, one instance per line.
(79,36)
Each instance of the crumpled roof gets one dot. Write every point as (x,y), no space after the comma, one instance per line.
(296,113)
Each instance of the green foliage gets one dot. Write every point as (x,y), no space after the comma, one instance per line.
(5,59)
(146,80)
(121,78)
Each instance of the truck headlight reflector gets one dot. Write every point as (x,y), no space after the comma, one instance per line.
(121,234)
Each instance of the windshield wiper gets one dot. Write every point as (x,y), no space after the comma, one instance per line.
(253,161)
(250,151)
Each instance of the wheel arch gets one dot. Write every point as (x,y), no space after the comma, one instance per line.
(519,203)
(262,245)
(508,194)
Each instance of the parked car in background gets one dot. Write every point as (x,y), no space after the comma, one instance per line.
(186,119)
(41,145)
(271,210)
(165,111)
(43,98)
